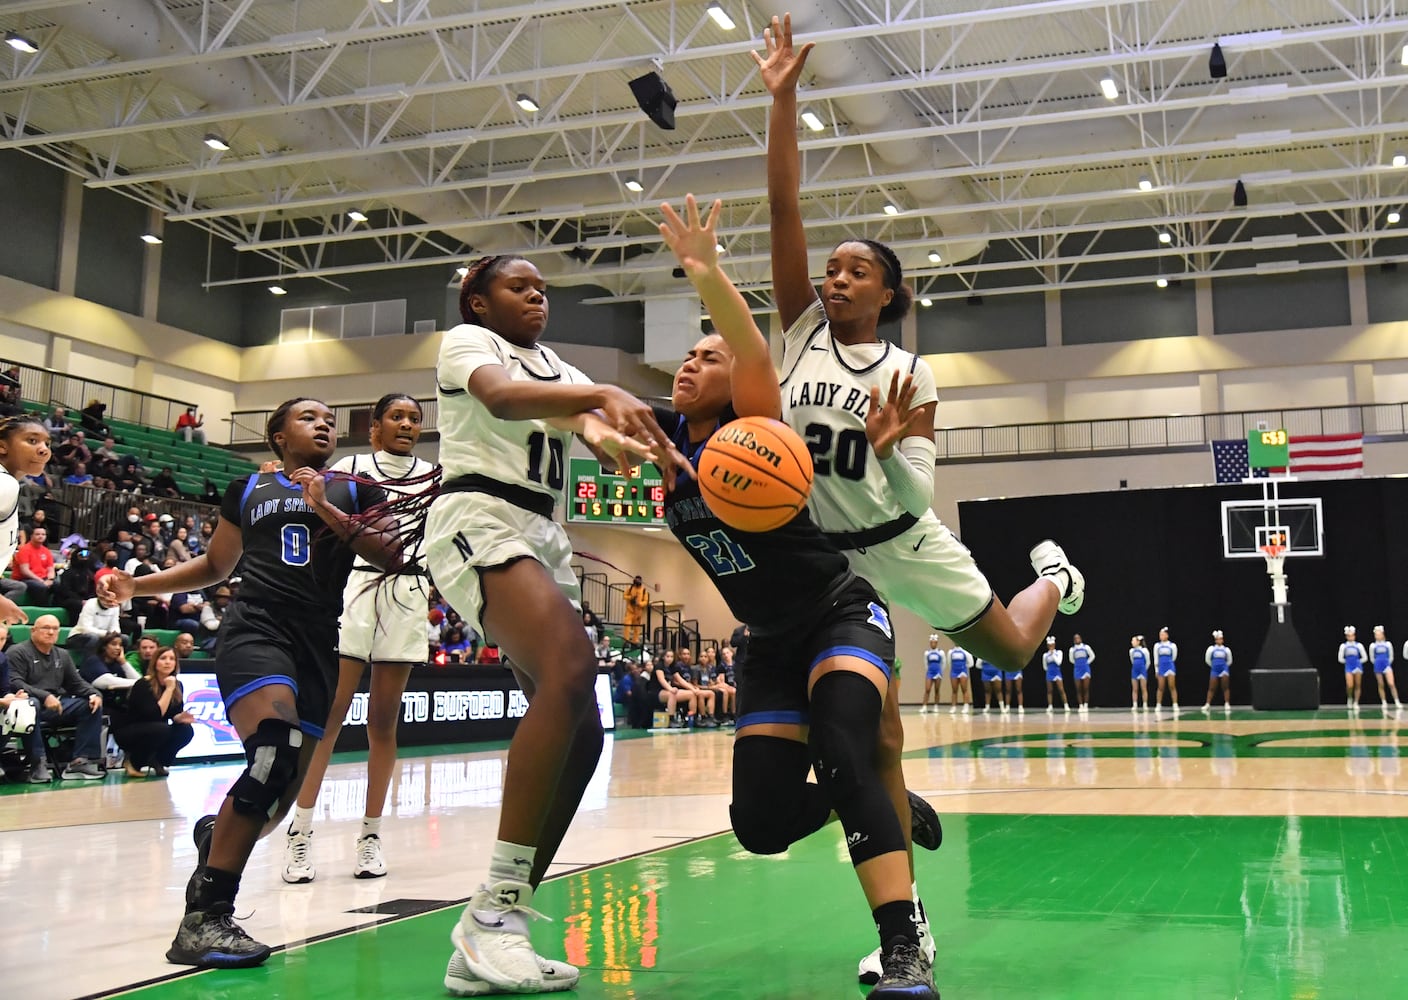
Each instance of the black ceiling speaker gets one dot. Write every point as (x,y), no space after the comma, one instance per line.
(656,99)
(1239,195)
(1217,63)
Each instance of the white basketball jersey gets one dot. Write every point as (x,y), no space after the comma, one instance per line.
(825,397)
(9,519)
(525,453)
(383,466)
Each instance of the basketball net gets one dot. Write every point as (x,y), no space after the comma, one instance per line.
(1275,556)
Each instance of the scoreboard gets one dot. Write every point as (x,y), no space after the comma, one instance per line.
(595,496)
(1268,449)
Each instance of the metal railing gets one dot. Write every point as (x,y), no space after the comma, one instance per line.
(93,512)
(1079,438)
(73,393)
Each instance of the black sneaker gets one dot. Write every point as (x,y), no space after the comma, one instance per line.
(211,939)
(924,827)
(904,974)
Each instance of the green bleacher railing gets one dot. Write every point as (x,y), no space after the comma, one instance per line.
(73,393)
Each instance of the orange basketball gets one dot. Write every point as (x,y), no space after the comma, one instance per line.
(755,474)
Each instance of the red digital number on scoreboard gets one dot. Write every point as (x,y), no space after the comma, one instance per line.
(586,491)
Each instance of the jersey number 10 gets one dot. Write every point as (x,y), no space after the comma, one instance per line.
(851,449)
(536,441)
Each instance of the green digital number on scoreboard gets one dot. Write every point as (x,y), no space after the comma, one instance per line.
(1268,449)
(599,497)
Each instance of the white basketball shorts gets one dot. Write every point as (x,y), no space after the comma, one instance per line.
(384,623)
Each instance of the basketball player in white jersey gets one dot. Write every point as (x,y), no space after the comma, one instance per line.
(383,624)
(24,451)
(866,410)
(507,409)
(1352,656)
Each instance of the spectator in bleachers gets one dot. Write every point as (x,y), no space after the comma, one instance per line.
(185,645)
(434,619)
(125,532)
(58,426)
(592,624)
(73,451)
(130,475)
(110,562)
(456,645)
(157,725)
(106,666)
(604,653)
(35,762)
(210,494)
(164,484)
(48,674)
(104,474)
(37,519)
(94,419)
(207,530)
(36,493)
(178,549)
(79,476)
(185,610)
(76,585)
(212,615)
(151,534)
(107,451)
(34,567)
(11,395)
(191,425)
(141,657)
(97,619)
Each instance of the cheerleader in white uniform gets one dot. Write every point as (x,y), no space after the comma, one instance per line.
(1352,656)
(1218,657)
(1052,660)
(1166,667)
(1381,653)
(1138,672)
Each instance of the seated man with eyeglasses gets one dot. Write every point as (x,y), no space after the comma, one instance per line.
(40,667)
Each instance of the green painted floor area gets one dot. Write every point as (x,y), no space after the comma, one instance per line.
(1022,906)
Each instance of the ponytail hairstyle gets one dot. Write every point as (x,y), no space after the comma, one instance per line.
(278,418)
(476,281)
(903,299)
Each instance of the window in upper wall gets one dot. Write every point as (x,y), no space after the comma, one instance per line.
(344,322)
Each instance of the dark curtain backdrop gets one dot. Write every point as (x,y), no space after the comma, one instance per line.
(1154,557)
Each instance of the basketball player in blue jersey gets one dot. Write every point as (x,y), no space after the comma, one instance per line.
(992,685)
(293,534)
(1138,672)
(1166,667)
(1082,657)
(1381,654)
(1219,660)
(866,409)
(810,693)
(1352,656)
(933,674)
(1052,660)
(959,689)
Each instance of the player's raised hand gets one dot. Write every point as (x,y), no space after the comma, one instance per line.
(11,614)
(887,423)
(694,244)
(314,484)
(783,66)
(116,587)
(614,449)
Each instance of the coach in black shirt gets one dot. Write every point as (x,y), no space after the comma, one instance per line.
(39,667)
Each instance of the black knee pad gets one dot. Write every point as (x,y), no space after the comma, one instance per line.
(773,804)
(273,753)
(845,720)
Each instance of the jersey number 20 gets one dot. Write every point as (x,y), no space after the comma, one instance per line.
(851,449)
(536,441)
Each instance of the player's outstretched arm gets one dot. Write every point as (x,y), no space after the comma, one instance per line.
(780,71)
(694,243)
(216,563)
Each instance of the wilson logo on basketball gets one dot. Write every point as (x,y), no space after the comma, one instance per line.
(747,440)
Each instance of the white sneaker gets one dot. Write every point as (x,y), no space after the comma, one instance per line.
(923,709)
(460,982)
(953,710)
(492,938)
(1068,708)
(298,863)
(1051,709)
(1021,709)
(985,712)
(1227,709)
(1048,559)
(369,860)
(1176,710)
(967,709)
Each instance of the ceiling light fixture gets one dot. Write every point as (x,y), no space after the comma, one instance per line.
(719,248)
(926,302)
(1239,195)
(812,121)
(891,210)
(634,185)
(1162,282)
(19,43)
(1165,236)
(1404,59)
(357,216)
(1400,160)
(935,257)
(526,103)
(1217,63)
(277,290)
(216,141)
(1109,88)
(721,17)
(1393,217)
(152,239)
(1144,183)
(461,272)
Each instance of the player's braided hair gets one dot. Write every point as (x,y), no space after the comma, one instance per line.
(9,425)
(477,278)
(903,299)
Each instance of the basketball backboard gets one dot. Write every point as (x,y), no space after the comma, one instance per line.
(1247,525)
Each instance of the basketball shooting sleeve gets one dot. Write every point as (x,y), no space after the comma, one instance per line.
(909,472)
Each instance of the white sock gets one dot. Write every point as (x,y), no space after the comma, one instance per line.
(302,821)
(371,826)
(511,863)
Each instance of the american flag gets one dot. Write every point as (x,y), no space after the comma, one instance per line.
(1326,456)
(1229,459)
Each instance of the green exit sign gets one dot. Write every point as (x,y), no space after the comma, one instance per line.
(1268,449)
